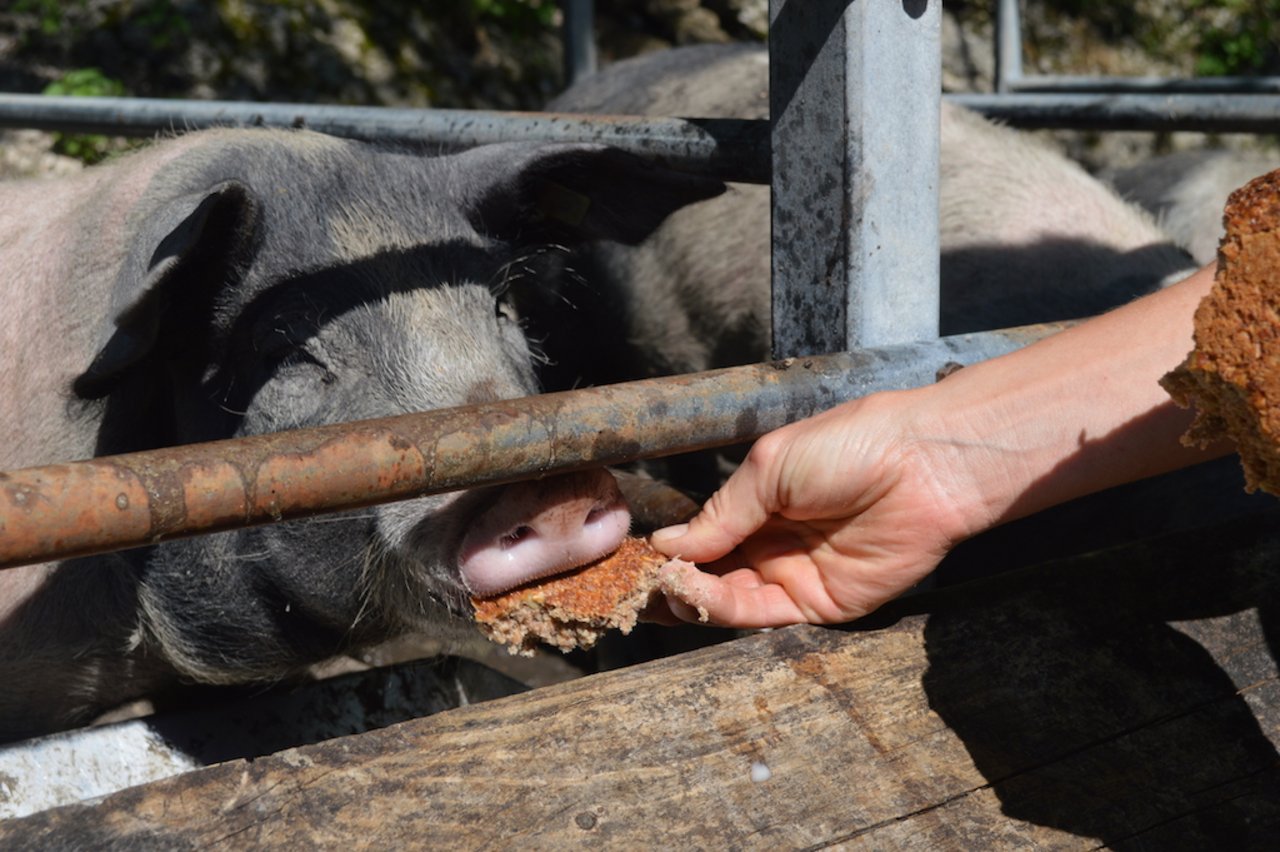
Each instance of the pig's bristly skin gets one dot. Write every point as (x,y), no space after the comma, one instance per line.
(1187,191)
(234,282)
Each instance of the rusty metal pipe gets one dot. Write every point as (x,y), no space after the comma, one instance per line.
(117,502)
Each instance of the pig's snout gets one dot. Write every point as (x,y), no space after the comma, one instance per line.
(543,527)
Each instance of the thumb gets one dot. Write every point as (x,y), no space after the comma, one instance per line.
(733,513)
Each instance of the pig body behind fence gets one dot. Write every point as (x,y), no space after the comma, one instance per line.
(229,283)
(1187,191)
(1026,235)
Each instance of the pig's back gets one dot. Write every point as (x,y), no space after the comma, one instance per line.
(707,81)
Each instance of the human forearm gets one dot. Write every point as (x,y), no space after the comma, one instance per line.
(1069,415)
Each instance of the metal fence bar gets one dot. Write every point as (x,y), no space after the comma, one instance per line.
(854,92)
(1086,84)
(727,148)
(1205,113)
(578,38)
(117,502)
(1008,45)
(731,149)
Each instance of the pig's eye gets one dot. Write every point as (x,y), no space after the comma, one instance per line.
(293,356)
(279,351)
(505,311)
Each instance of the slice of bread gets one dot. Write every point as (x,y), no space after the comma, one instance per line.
(573,610)
(1232,376)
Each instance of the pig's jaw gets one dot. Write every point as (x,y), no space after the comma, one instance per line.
(490,564)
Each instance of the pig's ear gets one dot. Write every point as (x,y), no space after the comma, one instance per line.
(180,253)
(572,192)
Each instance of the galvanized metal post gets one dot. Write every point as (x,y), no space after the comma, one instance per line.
(579,39)
(1008,45)
(854,91)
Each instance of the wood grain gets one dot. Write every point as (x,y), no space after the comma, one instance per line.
(1126,698)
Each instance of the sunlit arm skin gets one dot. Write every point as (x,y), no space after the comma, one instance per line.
(830,517)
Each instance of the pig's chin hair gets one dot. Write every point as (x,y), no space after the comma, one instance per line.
(403,591)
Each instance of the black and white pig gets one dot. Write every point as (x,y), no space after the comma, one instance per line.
(232,282)
(1026,234)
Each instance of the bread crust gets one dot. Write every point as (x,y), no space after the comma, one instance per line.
(1232,376)
(573,610)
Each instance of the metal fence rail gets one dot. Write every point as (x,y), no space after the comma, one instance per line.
(730,149)
(116,502)
(726,148)
(1154,111)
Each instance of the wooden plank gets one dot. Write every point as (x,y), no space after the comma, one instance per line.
(1125,699)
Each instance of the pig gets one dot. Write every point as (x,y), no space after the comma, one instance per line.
(231,282)
(1187,191)
(1026,234)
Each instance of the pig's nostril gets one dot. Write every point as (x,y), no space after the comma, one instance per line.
(517,535)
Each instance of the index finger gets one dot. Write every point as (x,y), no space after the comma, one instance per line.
(735,511)
(737,599)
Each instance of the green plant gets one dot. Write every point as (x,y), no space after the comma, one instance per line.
(165,23)
(50,13)
(517,15)
(1244,41)
(84,82)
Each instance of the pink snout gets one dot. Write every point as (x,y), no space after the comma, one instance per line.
(542,527)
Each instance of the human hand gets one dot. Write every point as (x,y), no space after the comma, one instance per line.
(824,521)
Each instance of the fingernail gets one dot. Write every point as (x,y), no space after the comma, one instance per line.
(669,533)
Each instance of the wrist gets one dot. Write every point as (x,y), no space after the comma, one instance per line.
(968,453)
(1070,415)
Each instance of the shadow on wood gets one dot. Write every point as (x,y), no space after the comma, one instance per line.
(1128,696)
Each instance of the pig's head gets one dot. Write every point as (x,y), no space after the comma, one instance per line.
(281,280)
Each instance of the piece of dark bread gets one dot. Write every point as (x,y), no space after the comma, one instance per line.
(1232,376)
(573,610)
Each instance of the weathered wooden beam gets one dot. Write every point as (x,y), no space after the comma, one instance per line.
(1129,698)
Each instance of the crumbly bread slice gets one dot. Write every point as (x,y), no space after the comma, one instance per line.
(1232,376)
(574,610)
